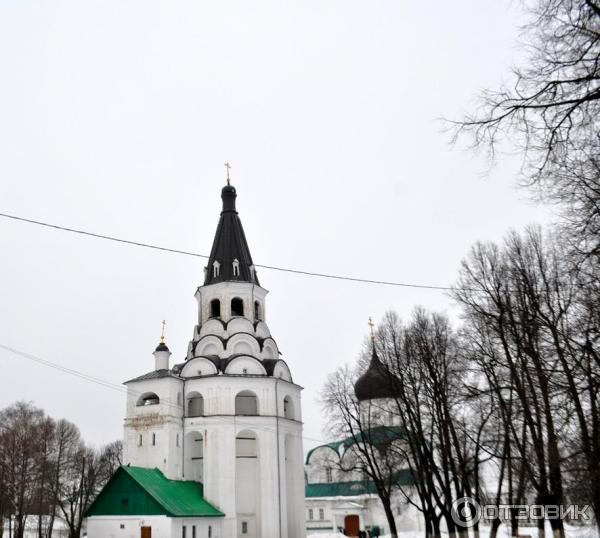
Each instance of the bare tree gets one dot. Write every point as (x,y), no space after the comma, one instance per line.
(551,112)
(527,321)
(19,425)
(372,449)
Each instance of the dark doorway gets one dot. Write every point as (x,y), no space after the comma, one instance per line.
(146,532)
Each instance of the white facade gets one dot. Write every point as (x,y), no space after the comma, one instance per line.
(229,416)
(162,526)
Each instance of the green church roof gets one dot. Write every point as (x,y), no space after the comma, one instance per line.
(376,435)
(141,491)
(352,488)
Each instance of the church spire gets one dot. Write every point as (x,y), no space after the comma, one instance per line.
(230,258)
(377,382)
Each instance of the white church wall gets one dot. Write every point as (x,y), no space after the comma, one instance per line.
(205,527)
(128,526)
(153,434)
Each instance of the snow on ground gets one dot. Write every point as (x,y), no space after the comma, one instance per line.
(588,531)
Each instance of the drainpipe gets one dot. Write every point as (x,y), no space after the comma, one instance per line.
(183,431)
(278,453)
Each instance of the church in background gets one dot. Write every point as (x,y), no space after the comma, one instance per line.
(339,496)
(213,445)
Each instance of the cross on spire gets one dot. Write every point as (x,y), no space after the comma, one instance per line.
(162,334)
(227,167)
(371,325)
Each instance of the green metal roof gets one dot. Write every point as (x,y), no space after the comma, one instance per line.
(141,491)
(352,488)
(377,435)
(340,489)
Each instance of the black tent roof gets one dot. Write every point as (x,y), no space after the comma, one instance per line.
(229,245)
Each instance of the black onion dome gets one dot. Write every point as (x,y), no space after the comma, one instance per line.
(230,244)
(162,347)
(376,382)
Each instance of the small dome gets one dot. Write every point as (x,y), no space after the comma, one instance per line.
(376,382)
(162,347)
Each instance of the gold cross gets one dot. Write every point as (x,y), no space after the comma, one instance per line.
(371,325)
(162,334)
(227,166)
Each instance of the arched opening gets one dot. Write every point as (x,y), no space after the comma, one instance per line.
(257,315)
(148,398)
(237,307)
(194,451)
(288,408)
(215,308)
(247,480)
(246,403)
(195,407)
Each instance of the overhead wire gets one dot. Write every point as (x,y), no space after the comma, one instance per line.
(197,255)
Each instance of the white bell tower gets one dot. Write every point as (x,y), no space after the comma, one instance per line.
(230,414)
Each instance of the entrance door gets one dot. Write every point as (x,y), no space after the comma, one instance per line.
(146,532)
(351,525)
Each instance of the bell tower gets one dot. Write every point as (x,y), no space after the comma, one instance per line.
(229,415)
(243,423)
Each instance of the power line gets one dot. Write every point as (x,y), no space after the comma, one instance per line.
(122,390)
(195,254)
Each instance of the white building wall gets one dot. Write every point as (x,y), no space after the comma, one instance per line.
(269,492)
(110,526)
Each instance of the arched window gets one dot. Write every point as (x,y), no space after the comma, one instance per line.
(195,405)
(246,403)
(237,307)
(215,308)
(236,267)
(257,311)
(148,398)
(216,268)
(288,408)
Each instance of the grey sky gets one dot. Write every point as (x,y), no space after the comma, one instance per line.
(117,117)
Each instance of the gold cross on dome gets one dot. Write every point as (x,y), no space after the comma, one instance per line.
(228,167)
(162,334)
(371,325)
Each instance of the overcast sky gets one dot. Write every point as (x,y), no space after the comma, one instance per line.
(117,117)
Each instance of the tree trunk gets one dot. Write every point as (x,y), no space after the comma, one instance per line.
(389,514)
(435,521)
(428,525)
(541,525)
(494,527)
(558,528)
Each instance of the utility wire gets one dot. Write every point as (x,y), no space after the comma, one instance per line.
(122,390)
(187,253)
